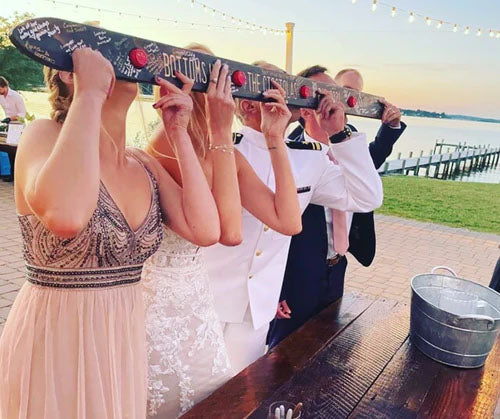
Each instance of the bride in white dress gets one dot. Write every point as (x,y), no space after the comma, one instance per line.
(186,350)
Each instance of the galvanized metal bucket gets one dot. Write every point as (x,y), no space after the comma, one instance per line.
(453,320)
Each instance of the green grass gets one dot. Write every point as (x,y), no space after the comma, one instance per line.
(474,206)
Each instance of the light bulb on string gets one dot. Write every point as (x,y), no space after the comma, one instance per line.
(455,28)
(479,32)
(492,34)
(224,16)
(428,20)
(374,5)
(192,4)
(393,12)
(213,12)
(411,18)
(205,8)
(354,1)
(439,24)
(498,34)
(467,31)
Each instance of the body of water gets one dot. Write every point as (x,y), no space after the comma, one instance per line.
(422,133)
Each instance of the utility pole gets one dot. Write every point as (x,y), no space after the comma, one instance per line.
(289,46)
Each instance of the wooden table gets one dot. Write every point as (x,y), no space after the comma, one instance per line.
(354,359)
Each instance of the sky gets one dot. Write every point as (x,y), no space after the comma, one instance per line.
(411,64)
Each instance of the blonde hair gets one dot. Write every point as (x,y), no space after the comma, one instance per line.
(347,70)
(60,95)
(198,124)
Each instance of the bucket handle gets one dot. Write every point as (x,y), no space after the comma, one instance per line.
(490,320)
(433,270)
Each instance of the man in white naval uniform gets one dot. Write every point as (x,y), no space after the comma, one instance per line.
(246,279)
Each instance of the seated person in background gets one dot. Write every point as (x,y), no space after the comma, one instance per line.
(314,276)
(11,102)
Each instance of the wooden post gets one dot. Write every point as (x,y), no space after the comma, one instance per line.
(386,167)
(447,166)
(289,46)
(428,168)
(417,167)
(409,156)
(438,166)
(403,166)
(399,156)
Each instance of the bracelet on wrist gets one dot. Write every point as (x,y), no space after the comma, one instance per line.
(222,147)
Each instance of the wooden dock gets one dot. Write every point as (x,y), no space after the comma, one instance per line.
(463,159)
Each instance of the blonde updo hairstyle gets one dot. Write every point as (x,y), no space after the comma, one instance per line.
(198,123)
(60,95)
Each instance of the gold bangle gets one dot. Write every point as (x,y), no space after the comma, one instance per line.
(222,147)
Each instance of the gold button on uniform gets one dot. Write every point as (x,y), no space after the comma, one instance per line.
(250,276)
(258,253)
(266,228)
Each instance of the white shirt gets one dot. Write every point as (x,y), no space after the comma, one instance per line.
(252,273)
(12,104)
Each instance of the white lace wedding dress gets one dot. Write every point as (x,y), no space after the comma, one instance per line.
(186,351)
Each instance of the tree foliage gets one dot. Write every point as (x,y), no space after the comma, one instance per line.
(22,72)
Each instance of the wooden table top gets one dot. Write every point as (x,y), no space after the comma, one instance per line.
(354,359)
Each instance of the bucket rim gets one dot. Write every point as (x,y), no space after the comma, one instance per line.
(415,290)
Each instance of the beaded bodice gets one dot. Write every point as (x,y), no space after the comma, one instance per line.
(106,252)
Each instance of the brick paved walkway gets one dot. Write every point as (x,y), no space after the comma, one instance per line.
(404,248)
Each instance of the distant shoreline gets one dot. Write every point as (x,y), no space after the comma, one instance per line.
(441,115)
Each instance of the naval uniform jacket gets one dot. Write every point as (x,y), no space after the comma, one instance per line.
(252,273)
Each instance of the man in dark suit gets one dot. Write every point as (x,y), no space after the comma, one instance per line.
(314,276)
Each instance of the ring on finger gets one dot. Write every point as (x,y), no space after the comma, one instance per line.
(214,80)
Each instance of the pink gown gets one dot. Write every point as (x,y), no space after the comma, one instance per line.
(74,345)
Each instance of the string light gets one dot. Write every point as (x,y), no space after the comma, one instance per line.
(175,22)
(235,19)
(440,23)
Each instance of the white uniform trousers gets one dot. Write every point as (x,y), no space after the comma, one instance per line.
(244,344)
